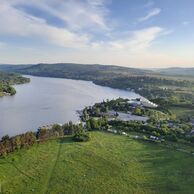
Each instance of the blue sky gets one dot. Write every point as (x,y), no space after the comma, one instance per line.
(134,33)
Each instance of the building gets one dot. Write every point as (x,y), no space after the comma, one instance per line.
(142,102)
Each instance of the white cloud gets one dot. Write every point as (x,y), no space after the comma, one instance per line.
(142,39)
(21,24)
(150,14)
(135,41)
(76,14)
(79,17)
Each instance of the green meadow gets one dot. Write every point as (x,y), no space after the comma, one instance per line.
(106,164)
(182,112)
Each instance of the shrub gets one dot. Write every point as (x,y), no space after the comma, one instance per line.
(81,137)
(172,137)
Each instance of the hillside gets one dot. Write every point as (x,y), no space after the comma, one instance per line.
(74,71)
(177,71)
(107,164)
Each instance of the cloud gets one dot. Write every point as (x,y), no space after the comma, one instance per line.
(135,41)
(24,25)
(20,23)
(142,39)
(150,14)
(75,14)
(81,19)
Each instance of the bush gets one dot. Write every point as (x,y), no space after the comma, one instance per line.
(81,137)
(172,137)
(191,139)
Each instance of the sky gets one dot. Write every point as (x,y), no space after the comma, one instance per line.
(132,33)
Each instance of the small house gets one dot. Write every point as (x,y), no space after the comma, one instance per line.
(154,138)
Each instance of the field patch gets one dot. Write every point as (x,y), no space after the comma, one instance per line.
(106,164)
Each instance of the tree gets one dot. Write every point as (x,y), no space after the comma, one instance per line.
(88,125)
(69,128)
(16,142)
(2,149)
(6,144)
(172,137)
(94,124)
(80,135)
(137,111)
(96,111)
(191,139)
(85,115)
(58,129)
(103,123)
(42,134)
(30,138)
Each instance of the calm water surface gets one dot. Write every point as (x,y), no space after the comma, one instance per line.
(50,100)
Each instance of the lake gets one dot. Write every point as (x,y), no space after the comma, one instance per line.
(50,100)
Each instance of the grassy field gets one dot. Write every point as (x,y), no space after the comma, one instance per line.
(182,112)
(107,164)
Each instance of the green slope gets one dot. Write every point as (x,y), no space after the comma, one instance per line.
(72,70)
(107,164)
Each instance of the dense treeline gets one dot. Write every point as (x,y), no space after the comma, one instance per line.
(174,92)
(12,78)
(147,86)
(6,89)
(7,80)
(28,139)
(135,82)
(10,144)
(116,105)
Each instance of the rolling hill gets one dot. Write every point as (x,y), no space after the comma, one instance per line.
(74,71)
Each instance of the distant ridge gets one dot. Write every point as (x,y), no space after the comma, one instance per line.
(66,70)
(67,65)
(74,70)
(177,71)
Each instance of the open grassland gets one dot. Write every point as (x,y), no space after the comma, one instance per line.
(182,112)
(107,164)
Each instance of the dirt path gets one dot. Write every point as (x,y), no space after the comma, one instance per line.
(51,170)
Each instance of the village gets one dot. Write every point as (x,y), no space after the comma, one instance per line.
(135,118)
(141,117)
